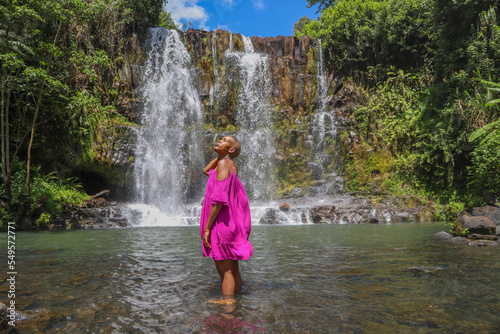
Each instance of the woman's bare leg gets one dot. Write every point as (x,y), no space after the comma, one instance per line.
(237,278)
(230,277)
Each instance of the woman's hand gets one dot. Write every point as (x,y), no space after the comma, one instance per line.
(206,239)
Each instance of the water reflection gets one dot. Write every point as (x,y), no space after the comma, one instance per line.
(302,279)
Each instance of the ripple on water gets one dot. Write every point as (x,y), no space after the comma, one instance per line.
(302,279)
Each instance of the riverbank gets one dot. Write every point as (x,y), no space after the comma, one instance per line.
(98,213)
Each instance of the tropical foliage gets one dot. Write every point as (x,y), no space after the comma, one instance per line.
(425,75)
(62,65)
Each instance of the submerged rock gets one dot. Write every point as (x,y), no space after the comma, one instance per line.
(441,235)
(483,243)
(420,270)
(457,240)
(483,237)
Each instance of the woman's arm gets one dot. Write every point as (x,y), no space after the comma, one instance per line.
(211,165)
(214,212)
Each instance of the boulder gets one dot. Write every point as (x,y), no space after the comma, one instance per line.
(441,235)
(483,210)
(494,216)
(474,225)
(285,207)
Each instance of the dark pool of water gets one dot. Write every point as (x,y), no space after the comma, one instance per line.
(301,279)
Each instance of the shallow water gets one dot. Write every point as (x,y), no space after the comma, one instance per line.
(301,279)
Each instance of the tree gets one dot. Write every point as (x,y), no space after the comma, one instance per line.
(299,25)
(322,4)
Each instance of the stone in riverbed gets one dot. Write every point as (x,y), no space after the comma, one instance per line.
(457,240)
(474,225)
(483,237)
(483,243)
(441,235)
(420,270)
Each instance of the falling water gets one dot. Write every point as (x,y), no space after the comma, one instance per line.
(324,137)
(248,45)
(254,120)
(168,144)
(215,89)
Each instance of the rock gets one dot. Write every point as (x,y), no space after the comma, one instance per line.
(474,225)
(420,270)
(494,216)
(372,220)
(323,214)
(457,240)
(269,217)
(490,198)
(483,237)
(317,218)
(4,318)
(441,235)
(483,210)
(285,207)
(483,243)
(497,230)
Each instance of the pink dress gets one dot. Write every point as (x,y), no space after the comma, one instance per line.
(231,228)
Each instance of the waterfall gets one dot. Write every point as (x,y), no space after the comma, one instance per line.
(168,151)
(248,45)
(324,137)
(254,121)
(215,89)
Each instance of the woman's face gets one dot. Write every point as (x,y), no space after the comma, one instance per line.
(223,145)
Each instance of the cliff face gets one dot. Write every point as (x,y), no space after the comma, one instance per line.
(292,66)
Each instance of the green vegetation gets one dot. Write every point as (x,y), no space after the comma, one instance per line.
(299,25)
(64,84)
(421,75)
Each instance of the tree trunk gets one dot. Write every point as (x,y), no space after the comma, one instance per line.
(33,126)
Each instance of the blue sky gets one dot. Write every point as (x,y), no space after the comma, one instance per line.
(249,17)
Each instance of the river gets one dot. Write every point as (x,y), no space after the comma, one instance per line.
(382,278)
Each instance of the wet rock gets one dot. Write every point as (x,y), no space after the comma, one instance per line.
(421,269)
(483,243)
(494,216)
(474,225)
(323,214)
(4,319)
(285,207)
(269,218)
(482,237)
(441,235)
(457,240)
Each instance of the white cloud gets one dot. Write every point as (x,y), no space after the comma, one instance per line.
(258,4)
(188,11)
(228,2)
